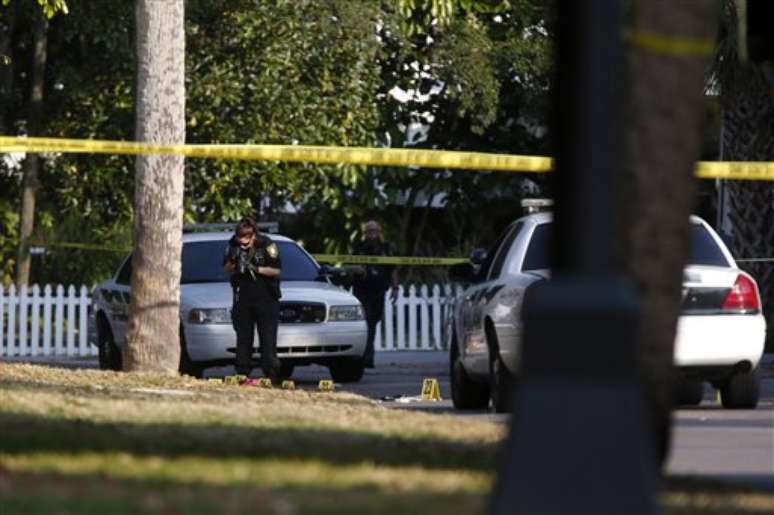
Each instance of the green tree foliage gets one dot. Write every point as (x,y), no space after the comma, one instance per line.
(279,72)
(480,81)
(306,72)
(420,15)
(50,7)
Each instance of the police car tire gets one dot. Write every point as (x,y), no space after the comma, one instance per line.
(466,393)
(501,383)
(500,378)
(286,370)
(109,354)
(187,366)
(689,392)
(741,391)
(347,370)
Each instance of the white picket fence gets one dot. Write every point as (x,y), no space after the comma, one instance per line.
(47,322)
(54,321)
(415,320)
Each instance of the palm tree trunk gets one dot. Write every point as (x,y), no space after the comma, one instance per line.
(153,339)
(7,28)
(666,108)
(407,216)
(31,167)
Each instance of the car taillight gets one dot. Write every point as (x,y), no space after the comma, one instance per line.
(743,295)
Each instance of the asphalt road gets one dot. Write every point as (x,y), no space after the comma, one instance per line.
(708,441)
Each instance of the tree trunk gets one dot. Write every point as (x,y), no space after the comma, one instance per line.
(419,233)
(7,28)
(153,339)
(31,167)
(406,221)
(665,112)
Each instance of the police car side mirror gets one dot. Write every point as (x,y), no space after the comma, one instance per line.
(324,273)
(478,256)
(461,273)
(333,274)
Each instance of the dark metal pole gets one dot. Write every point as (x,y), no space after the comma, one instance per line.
(579,440)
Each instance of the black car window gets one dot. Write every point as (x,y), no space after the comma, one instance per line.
(538,256)
(296,264)
(502,252)
(486,266)
(125,274)
(203,262)
(704,248)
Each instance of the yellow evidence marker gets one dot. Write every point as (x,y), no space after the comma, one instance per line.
(288,385)
(431,391)
(215,380)
(325,385)
(235,379)
(264,382)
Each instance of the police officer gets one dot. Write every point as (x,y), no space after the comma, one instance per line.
(373,281)
(253,260)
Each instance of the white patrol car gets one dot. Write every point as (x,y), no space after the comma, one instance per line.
(720,334)
(319,322)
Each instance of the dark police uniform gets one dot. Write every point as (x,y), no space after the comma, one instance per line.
(256,302)
(371,288)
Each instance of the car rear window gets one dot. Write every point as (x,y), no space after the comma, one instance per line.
(203,262)
(537,256)
(704,248)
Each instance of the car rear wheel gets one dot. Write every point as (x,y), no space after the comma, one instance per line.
(501,382)
(741,391)
(347,370)
(689,392)
(109,354)
(466,393)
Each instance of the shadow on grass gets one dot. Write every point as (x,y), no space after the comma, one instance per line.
(32,494)
(45,493)
(26,433)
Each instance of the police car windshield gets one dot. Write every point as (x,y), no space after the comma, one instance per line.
(203,263)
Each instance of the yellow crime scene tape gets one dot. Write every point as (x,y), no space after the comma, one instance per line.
(387,260)
(331,258)
(668,44)
(733,170)
(78,246)
(323,258)
(293,153)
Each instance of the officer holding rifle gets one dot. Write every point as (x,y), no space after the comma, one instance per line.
(253,260)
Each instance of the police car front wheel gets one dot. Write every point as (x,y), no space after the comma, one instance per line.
(109,354)
(347,370)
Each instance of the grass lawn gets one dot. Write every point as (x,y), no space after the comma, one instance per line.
(88,441)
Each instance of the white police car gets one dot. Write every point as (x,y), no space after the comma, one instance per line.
(720,334)
(320,322)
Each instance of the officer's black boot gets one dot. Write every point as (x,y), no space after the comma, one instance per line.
(368,357)
(267,333)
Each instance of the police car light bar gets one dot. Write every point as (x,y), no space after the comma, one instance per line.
(536,205)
